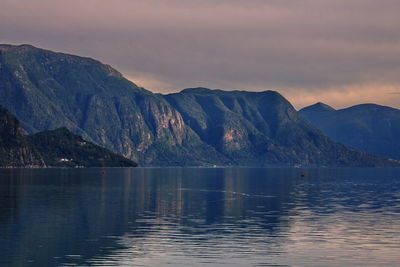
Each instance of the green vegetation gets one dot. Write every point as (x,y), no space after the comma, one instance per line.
(48,90)
(15,150)
(61,148)
(58,148)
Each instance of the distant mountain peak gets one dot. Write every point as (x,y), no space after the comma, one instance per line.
(204,89)
(198,90)
(368,127)
(371,107)
(19,47)
(318,107)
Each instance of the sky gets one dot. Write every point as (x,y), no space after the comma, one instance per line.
(340,52)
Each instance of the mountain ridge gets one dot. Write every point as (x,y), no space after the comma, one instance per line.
(56,148)
(48,90)
(260,127)
(318,107)
(368,127)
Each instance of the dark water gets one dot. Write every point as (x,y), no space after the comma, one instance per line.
(200,217)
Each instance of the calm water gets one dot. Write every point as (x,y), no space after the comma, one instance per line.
(200,217)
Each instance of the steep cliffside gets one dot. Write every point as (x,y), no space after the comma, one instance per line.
(260,129)
(48,90)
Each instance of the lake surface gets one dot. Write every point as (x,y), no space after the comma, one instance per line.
(200,217)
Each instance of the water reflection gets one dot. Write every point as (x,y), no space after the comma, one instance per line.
(178,216)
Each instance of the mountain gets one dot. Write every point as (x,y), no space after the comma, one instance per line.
(61,148)
(57,148)
(367,127)
(15,150)
(317,108)
(48,90)
(260,128)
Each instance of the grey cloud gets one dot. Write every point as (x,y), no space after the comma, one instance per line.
(281,44)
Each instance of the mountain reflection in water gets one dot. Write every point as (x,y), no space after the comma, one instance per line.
(200,216)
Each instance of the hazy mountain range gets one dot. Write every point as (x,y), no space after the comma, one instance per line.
(198,126)
(367,127)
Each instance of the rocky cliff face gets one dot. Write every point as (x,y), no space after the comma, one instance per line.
(260,129)
(48,90)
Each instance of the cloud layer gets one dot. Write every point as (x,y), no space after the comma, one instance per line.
(308,50)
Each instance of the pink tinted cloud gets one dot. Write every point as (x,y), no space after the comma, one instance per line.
(311,45)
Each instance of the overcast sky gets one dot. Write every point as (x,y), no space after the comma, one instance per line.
(341,52)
